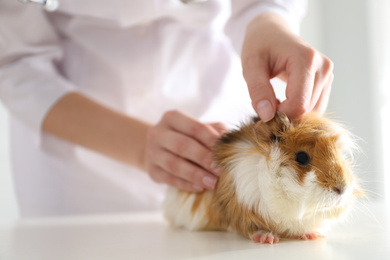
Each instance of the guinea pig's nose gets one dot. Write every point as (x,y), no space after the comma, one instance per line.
(338,189)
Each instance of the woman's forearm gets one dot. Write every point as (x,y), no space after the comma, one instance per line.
(82,121)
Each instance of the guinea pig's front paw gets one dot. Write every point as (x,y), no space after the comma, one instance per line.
(312,236)
(264,237)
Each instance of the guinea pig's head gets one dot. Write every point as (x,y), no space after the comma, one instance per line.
(312,161)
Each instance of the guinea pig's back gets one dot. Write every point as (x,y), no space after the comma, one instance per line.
(187,209)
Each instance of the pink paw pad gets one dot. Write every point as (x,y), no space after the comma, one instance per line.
(264,237)
(312,236)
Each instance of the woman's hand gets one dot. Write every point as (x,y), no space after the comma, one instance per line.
(178,152)
(271,50)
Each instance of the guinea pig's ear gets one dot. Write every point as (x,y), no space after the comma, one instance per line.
(281,122)
(271,130)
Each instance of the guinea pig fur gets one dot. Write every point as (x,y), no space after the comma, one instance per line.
(280,179)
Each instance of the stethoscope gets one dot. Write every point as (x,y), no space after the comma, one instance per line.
(52,5)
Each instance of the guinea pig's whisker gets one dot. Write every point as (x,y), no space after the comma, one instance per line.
(364,209)
(316,169)
(323,206)
(318,206)
(318,182)
(322,202)
(371,181)
(374,194)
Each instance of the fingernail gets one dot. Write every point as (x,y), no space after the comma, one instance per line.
(214,167)
(217,171)
(210,182)
(265,111)
(197,188)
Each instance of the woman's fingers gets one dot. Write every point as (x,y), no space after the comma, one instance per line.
(221,128)
(183,169)
(161,176)
(308,87)
(190,149)
(189,126)
(178,152)
(322,103)
(301,71)
(256,74)
(270,50)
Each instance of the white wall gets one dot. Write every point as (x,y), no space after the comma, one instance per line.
(379,42)
(8,208)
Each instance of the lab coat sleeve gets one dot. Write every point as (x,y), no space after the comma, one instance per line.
(243,11)
(30,83)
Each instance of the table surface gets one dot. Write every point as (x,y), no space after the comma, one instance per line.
(365,235)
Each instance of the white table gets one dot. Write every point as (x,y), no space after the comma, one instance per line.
(147,236)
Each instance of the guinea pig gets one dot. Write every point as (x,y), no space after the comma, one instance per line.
(280,179)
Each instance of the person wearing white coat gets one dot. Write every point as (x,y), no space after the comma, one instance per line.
(100,93)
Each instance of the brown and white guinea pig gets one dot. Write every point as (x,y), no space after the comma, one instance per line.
(280,179)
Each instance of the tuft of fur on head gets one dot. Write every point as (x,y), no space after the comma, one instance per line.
(286,177)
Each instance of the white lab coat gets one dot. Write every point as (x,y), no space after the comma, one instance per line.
(139,57)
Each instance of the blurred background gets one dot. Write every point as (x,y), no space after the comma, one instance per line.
(355,34)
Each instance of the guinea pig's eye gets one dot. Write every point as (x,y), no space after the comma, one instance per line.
(302,158)
(274,138)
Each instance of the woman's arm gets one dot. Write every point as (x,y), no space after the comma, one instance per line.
(82,121)
(176,151)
